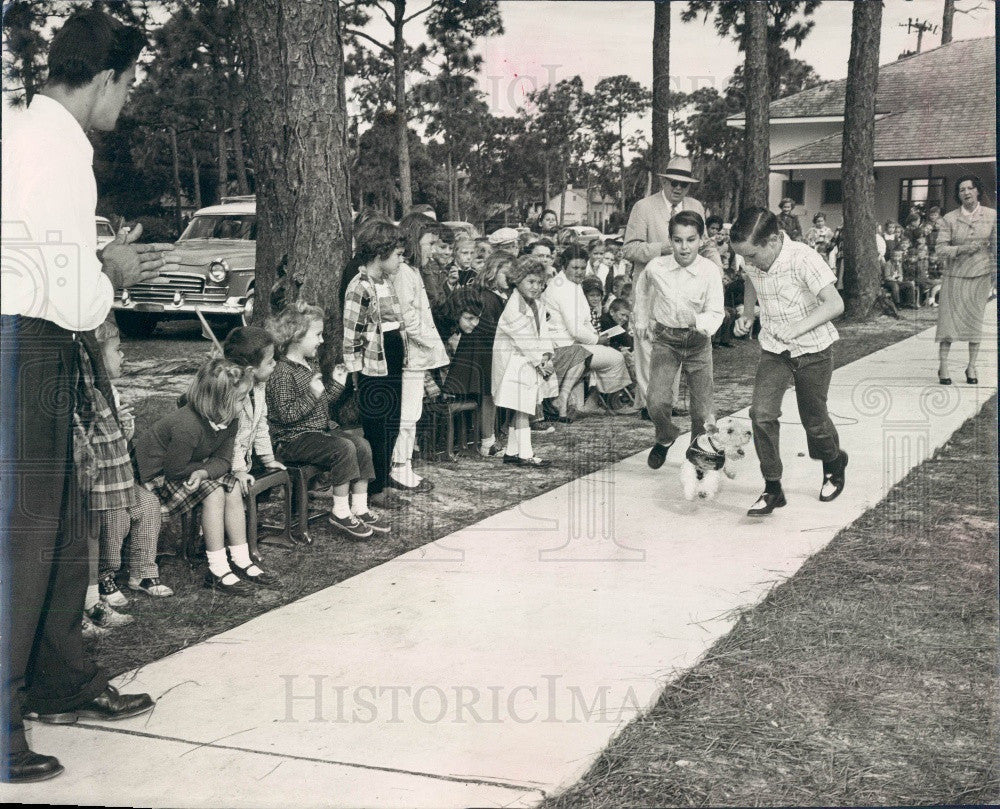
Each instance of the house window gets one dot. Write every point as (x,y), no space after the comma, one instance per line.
(833,193)
(920,192)
(795,190)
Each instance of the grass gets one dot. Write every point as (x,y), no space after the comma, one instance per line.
(867,679)
(467,490)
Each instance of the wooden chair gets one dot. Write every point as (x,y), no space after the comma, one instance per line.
(438,422)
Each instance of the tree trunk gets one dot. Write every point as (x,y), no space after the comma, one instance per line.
(661,86)
(223,160)
(548,186)
(298,118)
(402,134)
(861,260)
(947,21)
(176,161)
(452,187)
(564,179)
(757,137)
(242,182)
(195,177)
(621,166)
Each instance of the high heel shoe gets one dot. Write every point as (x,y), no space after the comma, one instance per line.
(971,380)
(943,380)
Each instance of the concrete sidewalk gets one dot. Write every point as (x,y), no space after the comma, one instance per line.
(490,668)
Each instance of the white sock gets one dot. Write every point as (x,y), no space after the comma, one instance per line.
(524,443)
(359,503)
(414,478)
(92,596)
(240,554)
(488,442)
(218,563)
(341,506)
(512,440)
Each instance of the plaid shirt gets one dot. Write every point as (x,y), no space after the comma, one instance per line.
(292,409)
(364,312)
(787,294)
(113,483)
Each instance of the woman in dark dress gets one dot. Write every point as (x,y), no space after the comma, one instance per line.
(470,373)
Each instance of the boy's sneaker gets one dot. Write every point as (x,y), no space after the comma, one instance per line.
(351,526)
(377,522)
(110,592)
(542,427)
(105,617)
(151,586)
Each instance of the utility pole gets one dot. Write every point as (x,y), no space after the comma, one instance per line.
(921,27)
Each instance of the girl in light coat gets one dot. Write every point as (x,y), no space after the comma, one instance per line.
(523,374)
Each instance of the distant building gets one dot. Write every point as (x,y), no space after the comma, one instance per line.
(577,211)
(935,120)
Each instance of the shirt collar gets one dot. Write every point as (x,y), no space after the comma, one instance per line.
(970,214)
(51,112)
(217,427)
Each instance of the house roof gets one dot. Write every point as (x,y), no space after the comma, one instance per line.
(939,104)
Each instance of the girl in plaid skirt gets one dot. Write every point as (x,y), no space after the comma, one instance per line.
(186,460)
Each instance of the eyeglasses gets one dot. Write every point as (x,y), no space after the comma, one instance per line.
(679,184)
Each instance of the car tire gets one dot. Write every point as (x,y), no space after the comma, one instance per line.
(136,324)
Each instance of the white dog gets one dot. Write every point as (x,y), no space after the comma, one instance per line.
(713,454)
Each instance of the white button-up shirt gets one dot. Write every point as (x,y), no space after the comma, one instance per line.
(569,313)
(666,290)
(49,242)
(787,293)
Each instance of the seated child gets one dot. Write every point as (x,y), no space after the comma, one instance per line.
(186,460)
(593,291)
(298,413)
(617,315)
(252,348)
(124,509)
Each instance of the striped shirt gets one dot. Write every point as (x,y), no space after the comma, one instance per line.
(787,293)
(366,307)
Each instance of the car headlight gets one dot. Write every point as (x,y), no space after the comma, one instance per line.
(218,270)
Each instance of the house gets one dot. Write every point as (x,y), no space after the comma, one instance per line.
(935,121)
(577,210)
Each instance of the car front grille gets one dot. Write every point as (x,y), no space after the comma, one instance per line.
(162,289)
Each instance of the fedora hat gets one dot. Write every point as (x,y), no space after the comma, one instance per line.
(679,168)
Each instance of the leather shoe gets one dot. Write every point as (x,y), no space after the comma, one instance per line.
(657,455)
(109,706)
(833,478)
(237,588)
(767,503)
(26,767)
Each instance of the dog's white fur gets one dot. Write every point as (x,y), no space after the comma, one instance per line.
(729,434)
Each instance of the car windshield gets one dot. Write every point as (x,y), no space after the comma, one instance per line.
(222,226)
(105,231)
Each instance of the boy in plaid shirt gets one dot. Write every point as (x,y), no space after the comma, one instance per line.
(123,509)
(798,298)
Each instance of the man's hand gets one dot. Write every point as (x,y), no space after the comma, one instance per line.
(274,464)
(194,481)
(128,264)
(245,479)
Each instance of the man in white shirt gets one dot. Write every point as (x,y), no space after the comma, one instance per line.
(678,310)
(55,291)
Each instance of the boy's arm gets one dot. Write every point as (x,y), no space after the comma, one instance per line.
(262,437)
(711,318)
(831,306)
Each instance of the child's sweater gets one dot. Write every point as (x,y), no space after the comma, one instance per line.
(292,409)
(183,442)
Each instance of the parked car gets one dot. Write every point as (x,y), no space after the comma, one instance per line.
(463,229)
(105,233)
(216,274)
(583,235)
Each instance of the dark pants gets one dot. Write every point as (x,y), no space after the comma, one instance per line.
(690,351)
(44,528)
(346,456)
(380,400)
(810,373)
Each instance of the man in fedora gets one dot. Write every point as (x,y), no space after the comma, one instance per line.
(647,236)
